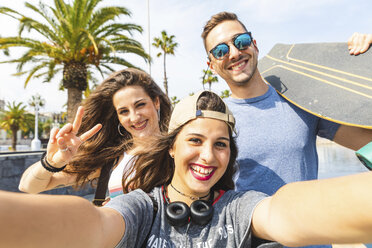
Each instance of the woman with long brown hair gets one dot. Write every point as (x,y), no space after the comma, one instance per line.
(128,104)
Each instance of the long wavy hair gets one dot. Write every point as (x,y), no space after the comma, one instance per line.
(155,167)
(102,148)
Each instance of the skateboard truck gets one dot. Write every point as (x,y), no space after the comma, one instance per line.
(364,154)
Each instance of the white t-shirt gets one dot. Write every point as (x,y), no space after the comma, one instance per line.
(115,182)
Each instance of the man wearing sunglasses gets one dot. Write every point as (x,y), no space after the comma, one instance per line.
(276,140)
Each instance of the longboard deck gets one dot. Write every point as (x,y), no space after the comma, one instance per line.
(323,79)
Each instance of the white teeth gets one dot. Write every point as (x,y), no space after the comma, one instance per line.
(202,171)
(140,126)
(238,66)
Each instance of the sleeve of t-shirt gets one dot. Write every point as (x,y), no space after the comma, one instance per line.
(245,207)
(247,204)
(240,207)
(327,129)
(136,208)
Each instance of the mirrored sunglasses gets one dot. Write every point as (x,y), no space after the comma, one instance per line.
(241,42)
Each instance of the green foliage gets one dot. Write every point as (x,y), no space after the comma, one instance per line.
(76,37)
(79,32)
(174,100)
(225,94)
(5,51)
(165,43)
(209,78)
(15,118)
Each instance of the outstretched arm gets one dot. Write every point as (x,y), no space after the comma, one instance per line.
(359,43)
(353,137)
(318,212)
(57,221)
(63,145)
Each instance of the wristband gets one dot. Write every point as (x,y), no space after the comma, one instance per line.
(48,166)
(364,154)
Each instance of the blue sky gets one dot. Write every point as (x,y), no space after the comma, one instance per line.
(271,22)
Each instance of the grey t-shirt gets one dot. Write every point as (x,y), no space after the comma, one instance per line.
(229,227)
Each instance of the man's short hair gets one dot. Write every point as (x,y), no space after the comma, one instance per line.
(217,19)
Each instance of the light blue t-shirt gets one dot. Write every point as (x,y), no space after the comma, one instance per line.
(276,142)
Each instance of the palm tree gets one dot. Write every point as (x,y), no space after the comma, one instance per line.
(174,100)
(167,45)
(14,119)
(225,94)
(76,38)
(209,78)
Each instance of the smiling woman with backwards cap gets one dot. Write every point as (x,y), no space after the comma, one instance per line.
(185,199)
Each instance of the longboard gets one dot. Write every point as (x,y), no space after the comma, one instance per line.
(323,79)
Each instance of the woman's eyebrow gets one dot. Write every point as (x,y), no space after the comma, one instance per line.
(203,136)
(134,103)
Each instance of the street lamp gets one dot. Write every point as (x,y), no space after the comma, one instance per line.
(36,102)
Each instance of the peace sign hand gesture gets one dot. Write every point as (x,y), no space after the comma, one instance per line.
(64,143)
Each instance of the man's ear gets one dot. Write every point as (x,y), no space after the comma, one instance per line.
(210,66)
(255,45)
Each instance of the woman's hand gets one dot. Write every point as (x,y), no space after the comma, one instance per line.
(64,143)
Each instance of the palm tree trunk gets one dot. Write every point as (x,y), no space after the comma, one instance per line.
(203,80)
(165,78)
(75,81)
(74,97)
(14,139)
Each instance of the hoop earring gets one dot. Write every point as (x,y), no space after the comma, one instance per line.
(119,126)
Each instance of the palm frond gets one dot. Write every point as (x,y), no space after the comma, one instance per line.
(61,7)
(119,61)
(33,71)
(106,14)
(79,12)
(116,29)
(10,12)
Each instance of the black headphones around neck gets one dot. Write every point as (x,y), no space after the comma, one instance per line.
(178,213)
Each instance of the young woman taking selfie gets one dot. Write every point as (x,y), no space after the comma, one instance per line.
(184,199)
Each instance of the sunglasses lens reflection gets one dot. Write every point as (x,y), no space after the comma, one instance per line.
(243,41)
(220,51)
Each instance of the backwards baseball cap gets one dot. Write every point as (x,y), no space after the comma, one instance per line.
(186,111)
